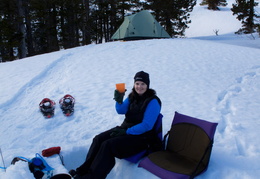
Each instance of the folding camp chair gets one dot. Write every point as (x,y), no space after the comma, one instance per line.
(158,128)
(187,151)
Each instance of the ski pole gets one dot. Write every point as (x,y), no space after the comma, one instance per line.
(3,160)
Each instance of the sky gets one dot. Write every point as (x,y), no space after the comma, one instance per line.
(214,78)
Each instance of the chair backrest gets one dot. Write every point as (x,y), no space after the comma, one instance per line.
(188,140)
(208,127)
(192,138)
(158,127)
(157,144)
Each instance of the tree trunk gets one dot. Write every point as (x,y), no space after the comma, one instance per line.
(22,45)
(28,23)
(51,32)
(250,24)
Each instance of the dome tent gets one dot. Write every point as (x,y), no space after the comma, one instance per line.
(140,26)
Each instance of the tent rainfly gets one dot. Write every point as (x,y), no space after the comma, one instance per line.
(140,26)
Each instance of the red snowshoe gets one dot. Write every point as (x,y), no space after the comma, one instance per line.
(67,105)
(47,107)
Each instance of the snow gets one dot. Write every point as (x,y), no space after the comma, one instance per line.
(205,22)
(215,78)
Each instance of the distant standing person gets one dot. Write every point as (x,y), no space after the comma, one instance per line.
(141,109)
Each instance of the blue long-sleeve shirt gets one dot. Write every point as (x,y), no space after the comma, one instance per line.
(150,115)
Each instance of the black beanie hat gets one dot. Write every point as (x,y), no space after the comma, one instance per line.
(142,76)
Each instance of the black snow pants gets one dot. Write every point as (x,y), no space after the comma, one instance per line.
(101,155)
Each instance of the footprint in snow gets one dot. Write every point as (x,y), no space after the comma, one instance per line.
(224,98)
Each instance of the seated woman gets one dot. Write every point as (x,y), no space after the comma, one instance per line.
(135,134)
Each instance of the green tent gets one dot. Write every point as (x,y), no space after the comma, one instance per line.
(140,26)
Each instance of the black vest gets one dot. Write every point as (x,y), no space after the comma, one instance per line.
(137,108)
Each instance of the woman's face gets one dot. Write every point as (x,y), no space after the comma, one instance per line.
(140,87)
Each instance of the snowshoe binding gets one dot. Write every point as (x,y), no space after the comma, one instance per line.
(16,159)
(47,107)
(67,105)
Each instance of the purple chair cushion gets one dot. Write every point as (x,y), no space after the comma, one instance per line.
(160,172)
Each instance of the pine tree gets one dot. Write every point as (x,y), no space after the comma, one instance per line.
(108,15)
(85,22)
(173,15)
(43,17)
(214,4)
(244,9)
(10,37)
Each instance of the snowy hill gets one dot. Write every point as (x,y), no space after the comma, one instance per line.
(204,22)
(215,78)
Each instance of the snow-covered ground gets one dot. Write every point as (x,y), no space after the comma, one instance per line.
(205,22)
(215,78)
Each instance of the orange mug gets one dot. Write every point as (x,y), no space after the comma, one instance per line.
(120,87)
